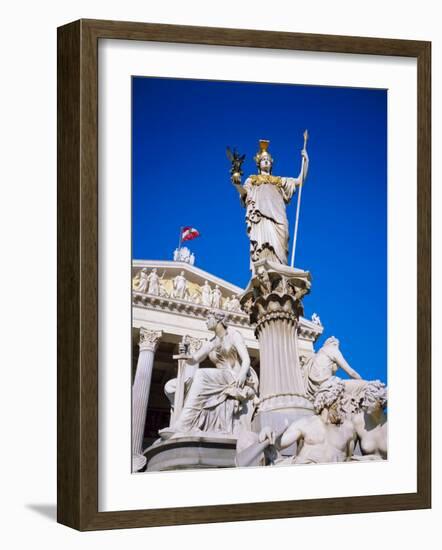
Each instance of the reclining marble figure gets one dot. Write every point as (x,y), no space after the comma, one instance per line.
(328,436)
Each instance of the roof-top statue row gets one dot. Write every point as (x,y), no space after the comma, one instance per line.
(265,197)
(183,254)
(178,288)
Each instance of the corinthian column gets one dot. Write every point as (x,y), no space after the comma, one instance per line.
(273,300)
(149,340)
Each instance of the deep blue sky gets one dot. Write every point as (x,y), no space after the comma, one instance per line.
(181,177)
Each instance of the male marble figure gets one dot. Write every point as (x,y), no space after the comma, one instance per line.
(265,197)
(324,364)
(370,420)
(328,436)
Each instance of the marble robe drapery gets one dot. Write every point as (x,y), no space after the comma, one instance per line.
(213,403)
(154,284)
(265,200)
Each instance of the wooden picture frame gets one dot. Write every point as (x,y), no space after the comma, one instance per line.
(77,461)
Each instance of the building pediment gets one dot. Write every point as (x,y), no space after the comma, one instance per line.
(194,276)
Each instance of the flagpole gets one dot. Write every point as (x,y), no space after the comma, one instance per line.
(298,206)
(181,235)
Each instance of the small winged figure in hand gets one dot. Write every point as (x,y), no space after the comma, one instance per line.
(237,160)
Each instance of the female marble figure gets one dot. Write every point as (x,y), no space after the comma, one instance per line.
(328,436)
(141,281)
(206,294)
(265,197)
(220,399)
(154,282)
(371,423)
(322,366)
(234,304)
(216,297)
(179,286)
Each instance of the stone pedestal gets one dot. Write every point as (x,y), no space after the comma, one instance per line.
(192,451)
(149,340)
(273,300)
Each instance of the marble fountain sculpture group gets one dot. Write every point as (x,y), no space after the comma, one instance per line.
(299,411)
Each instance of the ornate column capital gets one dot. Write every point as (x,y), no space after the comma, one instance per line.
(274,294)
(149,339)
(191,343)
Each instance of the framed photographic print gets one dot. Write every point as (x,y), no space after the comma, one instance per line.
(243,273)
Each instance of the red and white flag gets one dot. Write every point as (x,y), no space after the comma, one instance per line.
(189,233)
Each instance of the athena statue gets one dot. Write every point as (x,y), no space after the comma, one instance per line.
(265,197)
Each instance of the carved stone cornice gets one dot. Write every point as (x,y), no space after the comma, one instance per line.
(309,333)
(186,308)
(149,339)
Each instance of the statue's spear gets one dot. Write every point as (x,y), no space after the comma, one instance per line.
(298,207)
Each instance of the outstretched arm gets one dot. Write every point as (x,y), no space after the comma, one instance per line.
(202,353)
(198,356)
(304,168)
(242,190)
(292,435)
(289,185)
(342,363)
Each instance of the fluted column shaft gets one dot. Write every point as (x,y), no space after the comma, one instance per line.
(280,371)
(149,340)
(282,383)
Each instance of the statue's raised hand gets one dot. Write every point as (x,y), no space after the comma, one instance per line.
(236,178)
